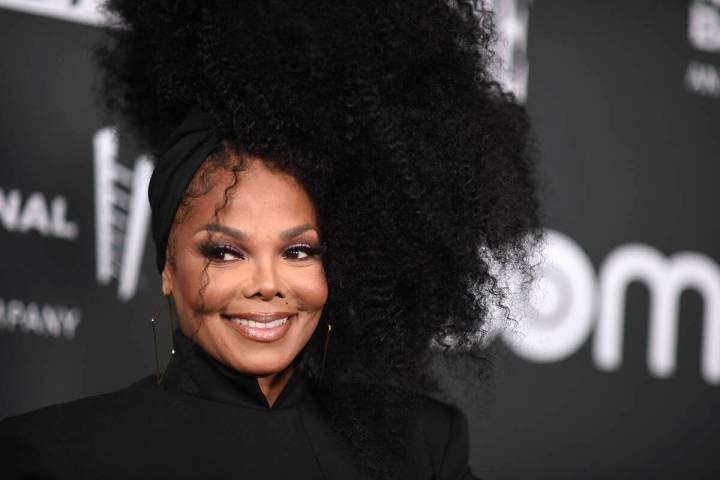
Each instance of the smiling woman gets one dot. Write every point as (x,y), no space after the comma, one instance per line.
(250,286)
(344,166)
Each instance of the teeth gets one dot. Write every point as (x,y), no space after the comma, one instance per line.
(254,324)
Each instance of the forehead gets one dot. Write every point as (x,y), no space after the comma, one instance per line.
(257,195)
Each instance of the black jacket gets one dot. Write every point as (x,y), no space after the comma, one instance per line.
(207,421)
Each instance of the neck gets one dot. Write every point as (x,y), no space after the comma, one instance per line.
(273,384)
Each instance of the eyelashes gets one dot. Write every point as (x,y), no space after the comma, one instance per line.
(306,249)
(217,252)
(222,252)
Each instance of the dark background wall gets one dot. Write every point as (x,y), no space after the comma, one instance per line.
(625,96)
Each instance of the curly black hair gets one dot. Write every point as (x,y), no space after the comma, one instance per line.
(420,166)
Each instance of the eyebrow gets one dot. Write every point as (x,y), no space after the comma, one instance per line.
(240,235)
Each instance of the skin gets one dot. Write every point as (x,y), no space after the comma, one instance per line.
(265,271)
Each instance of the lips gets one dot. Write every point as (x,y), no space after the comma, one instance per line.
(259,317)
(260,326)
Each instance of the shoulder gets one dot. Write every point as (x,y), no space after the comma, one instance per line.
(442,430)
(91,408)
(46,437)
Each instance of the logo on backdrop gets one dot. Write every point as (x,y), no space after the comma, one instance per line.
(511,18)
(36,213)
(703,78)
(40,319)
(82,11)
(570,301)
(122,214)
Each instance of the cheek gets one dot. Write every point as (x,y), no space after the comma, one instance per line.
(203,291)
(310,289)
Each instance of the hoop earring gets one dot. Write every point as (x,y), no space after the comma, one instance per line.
(327,341)
(170,301)
(153,322)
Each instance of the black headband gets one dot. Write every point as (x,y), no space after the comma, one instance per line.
(187,148)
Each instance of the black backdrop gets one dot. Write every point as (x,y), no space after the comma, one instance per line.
(615,370)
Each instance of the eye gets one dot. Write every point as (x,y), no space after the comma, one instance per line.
(303,251)
(219,252)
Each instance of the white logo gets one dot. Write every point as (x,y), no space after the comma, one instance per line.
(704,34)
(82,11)
(511,18)
(703,78)
(50,320)
(36,214)
(122,214)
(568,302)
(704,25)
(557,316)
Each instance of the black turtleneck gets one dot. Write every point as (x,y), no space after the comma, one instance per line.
(207,421)
(191,370)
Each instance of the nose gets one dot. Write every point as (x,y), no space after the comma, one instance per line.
(263,282)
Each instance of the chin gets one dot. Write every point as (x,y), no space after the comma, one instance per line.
(258,358)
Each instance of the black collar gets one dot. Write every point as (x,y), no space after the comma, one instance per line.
(193,371)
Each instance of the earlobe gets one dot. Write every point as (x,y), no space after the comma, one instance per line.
(166,281)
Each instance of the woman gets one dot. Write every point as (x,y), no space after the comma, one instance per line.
(336,182)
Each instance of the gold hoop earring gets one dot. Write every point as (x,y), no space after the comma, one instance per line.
(153,322)
(327,341)
(170,301)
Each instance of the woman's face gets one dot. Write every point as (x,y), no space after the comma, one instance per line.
(263,267)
